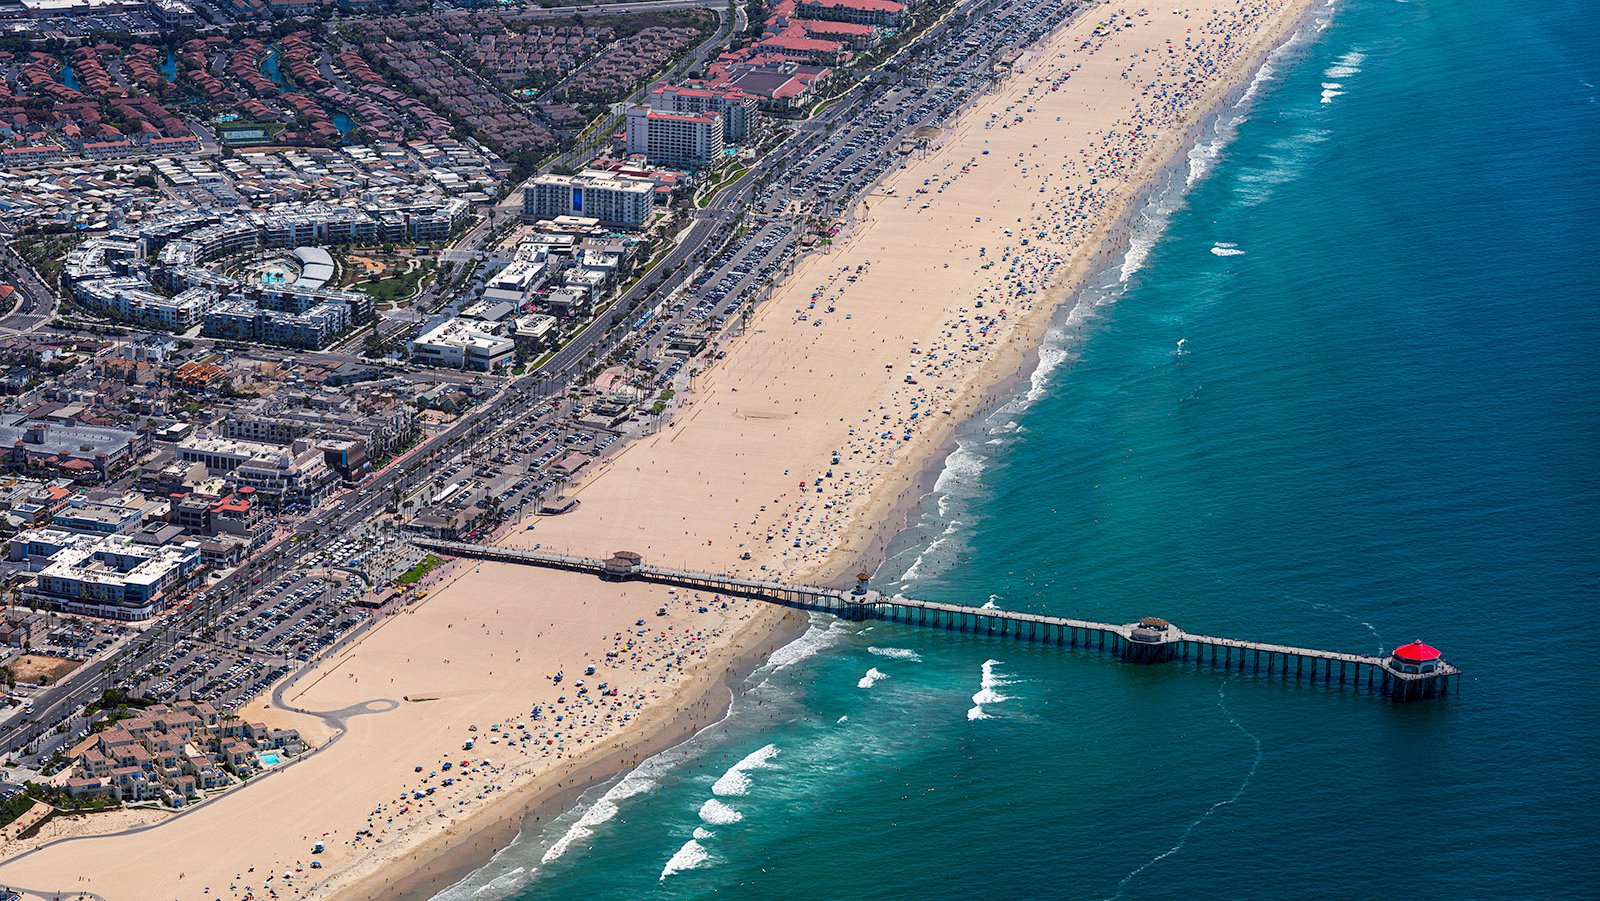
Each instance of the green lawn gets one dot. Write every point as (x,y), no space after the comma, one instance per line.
(415,573)
(396,287)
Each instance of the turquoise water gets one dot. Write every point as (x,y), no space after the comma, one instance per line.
(269,758)
(69,75)
(169,66)
(1347,399)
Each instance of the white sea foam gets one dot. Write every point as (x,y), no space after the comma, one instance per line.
(717,813)
(691,855)
(701,833)
(986,691)
(1052,353)
(817,638)
(914,571)
(504,884)
(1346,65)
(1223,249)
(990,603)
(1146,232)
(1287,159)
(843,719)
(601,811)
(897,653)
(736,781)
(873,677)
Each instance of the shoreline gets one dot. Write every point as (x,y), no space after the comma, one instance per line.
(884,519)
(645,508)
(443,861)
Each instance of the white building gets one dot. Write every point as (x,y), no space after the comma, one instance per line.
(599,195)
(687,140)
(516,283)
(463,344)
(295,475)
(174,13)
(107,576)
(129,299)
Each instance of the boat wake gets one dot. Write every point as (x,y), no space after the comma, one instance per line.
(1255,764)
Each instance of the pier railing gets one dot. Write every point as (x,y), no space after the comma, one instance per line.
(1146,641)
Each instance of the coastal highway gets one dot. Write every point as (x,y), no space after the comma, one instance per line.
(711,228)
(32,304)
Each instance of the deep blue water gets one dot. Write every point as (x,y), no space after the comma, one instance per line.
(1372,418)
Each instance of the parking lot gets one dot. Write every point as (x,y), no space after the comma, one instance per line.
(280,627)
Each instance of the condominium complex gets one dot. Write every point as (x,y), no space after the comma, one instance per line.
(688,140)
(865,12)
(613,199)
(120,273)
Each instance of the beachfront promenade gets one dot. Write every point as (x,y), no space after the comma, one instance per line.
(1150,640)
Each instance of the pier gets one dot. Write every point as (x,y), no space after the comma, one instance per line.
(1411,672)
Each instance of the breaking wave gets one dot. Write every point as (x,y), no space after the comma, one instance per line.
(736,781)
(986,692)
(691,855)
(897,653)
(716,813)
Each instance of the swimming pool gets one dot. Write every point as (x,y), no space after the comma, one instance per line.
(268,758)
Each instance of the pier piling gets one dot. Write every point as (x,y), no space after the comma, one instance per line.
(1411,672)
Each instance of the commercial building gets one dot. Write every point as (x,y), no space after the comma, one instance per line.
(614,199)
(296,476)
(93,518)
(174,13)
(688,140)
(70,449)
(463,344)
(108,576)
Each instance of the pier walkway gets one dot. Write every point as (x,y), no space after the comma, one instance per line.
(1150,640)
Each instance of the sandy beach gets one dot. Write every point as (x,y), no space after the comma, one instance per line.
(799,449)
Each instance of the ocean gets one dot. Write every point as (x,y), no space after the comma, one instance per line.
(1343,393)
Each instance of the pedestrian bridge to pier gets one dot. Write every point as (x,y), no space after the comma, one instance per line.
(1413,671)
